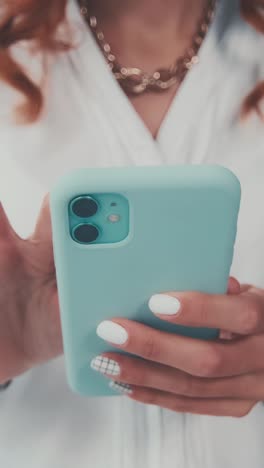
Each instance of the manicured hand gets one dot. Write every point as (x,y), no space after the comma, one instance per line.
(224,377)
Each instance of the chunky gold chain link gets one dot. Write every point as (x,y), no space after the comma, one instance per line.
(134,80)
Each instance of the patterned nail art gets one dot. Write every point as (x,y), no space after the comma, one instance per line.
(123,388)
(105,365)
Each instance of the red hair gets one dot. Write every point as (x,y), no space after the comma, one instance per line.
(38,20)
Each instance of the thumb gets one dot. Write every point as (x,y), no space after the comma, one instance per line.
(40,243)
(43,231)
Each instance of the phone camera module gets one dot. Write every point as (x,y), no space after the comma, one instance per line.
(86,233)
(84,207)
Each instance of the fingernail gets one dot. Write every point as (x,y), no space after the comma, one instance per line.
(113,332)
(105,365)
(164,305)
(122,388)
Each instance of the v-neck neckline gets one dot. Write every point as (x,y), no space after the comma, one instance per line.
(128,123)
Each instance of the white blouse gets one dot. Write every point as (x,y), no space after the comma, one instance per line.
(88,121)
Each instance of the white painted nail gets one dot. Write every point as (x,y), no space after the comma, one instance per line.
(112,332)
(105,365)
(164,305)
(122,388)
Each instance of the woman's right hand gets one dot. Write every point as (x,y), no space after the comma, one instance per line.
(30,330)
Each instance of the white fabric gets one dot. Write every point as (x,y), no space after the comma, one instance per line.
(89,122)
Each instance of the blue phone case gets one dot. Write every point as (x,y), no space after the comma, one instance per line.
(183,222)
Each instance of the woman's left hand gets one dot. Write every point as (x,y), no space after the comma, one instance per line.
(224,377)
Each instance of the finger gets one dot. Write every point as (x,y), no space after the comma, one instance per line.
(134,371)
(238,313)
(43,231)
(234,286)
(201,358)
(196,357)
(6,230)
(213,407)
(246,287)
(226,335)
(39,248)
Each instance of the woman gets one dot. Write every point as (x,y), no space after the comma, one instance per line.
(194,404)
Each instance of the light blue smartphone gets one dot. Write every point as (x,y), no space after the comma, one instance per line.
(123,234)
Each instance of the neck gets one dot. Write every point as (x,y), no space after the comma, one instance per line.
(152,12)
(148,33)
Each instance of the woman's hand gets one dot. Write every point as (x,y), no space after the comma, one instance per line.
(222,377)
(30,331)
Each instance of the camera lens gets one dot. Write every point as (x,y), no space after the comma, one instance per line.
(84,207)
(86,233)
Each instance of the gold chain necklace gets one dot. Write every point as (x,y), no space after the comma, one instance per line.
(135,81)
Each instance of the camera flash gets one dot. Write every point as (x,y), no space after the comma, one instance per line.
(114,218)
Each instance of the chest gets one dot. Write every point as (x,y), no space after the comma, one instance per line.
(152,108)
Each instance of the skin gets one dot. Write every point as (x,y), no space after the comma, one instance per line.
(223,377)
(149,34)
(29,319)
